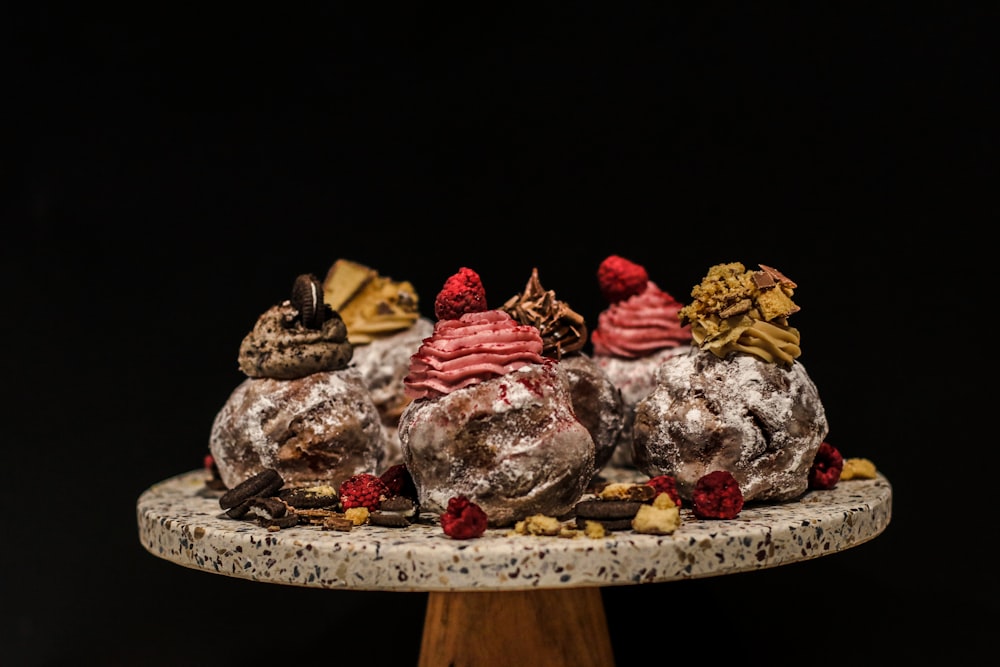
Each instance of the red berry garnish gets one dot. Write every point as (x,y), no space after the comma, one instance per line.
(826,467)
(665,484)
(717,496)
(362,490)
(463,519)
(619,278)
(462,293)
(398,481)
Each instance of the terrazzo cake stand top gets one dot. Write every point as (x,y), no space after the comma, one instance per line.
(530,581)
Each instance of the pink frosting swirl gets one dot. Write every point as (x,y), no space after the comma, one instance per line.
(475,347)
(640,325)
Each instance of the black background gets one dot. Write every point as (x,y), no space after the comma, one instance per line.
(168,175)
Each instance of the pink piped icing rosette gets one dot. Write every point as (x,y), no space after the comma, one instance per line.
(473,348)
(640,325)
(638,331)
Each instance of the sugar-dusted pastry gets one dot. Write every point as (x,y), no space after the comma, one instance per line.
(637,332)
(302,410)
(491,419)
(741,402)
(597,402)
(385,328)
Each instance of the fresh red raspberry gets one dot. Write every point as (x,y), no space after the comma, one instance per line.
(665,484)
(462,293)
(398,481)
(463,519)
(826,467)
(362,490)
(717,496)
(619,278)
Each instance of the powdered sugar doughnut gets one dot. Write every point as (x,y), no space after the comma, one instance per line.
(510,444)
(760,421)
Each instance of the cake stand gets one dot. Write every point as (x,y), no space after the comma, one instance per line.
(540,594)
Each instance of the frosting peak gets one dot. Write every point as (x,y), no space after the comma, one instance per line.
(563,330)
(640,325)
(475,347)
(736,311)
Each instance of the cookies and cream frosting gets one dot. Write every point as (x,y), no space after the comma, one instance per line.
(736,311)
(296,338)
(640,325)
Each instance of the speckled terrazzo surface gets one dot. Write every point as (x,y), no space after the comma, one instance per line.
(182,524)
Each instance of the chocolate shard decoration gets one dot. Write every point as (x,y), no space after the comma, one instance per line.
(778,276)
(763,280)
(738,308)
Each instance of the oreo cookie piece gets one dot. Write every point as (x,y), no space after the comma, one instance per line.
(607,509)
(388,519)
(265,483)
(263,507)
(258,507)
(315,515)
(310,497)
(609,524)
(612,514)
(399,505)
(286,521)
(239,511)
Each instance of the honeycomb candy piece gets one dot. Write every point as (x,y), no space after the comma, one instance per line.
(571,533)
(357,515)
(775,303)
(345,279)
(663,501)
(653,520)
(539,524)
(595,530)
(723,286)
(372,306)
(857,468)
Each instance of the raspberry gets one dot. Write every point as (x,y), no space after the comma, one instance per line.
(463,519)
(398,482)
(619,278)
(826,467)
(665,484)
(462,293)
(717,496)
(362,490)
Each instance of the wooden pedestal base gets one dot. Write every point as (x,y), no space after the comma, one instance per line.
(549,627)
